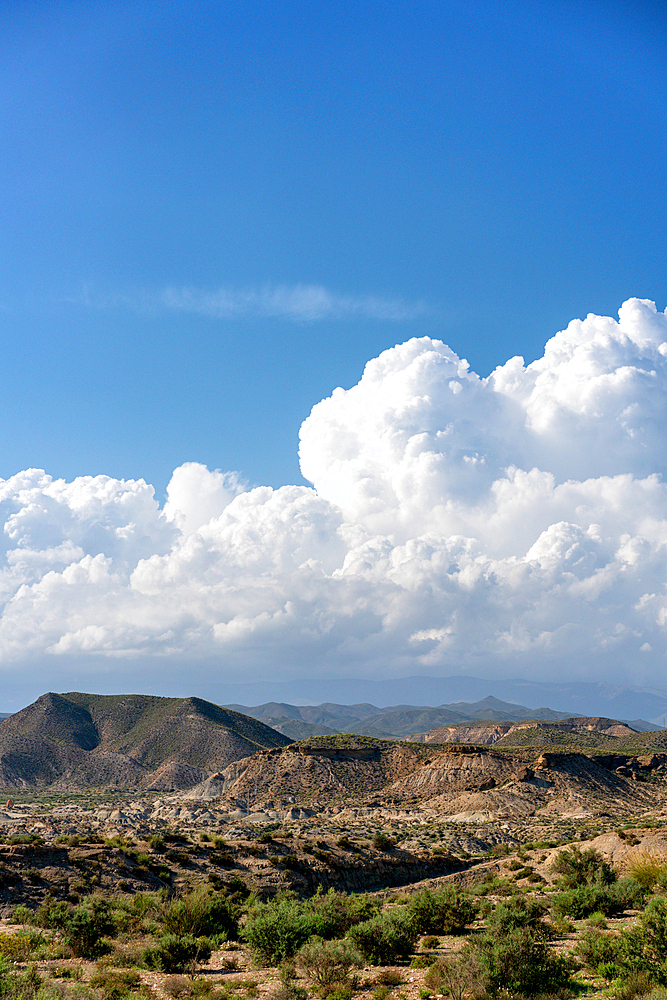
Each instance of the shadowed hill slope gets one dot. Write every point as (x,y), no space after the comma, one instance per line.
(124,741)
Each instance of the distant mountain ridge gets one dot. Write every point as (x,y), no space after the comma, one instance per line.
(395,722)
(589,698)
(124,741)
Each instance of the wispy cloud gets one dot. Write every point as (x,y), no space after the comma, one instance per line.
(301,303)
(304,303)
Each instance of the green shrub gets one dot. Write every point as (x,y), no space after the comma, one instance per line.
(115,985)
(328,962)
(643,948)
(607,970)
(137,912)
(581,902)
(521,961)
(338,993)
(443,911)
(595,947)
(53,914)
(654,923)
(177,953)
(382,842)
(334,912)
(423,961)
(87,926)
(385,938)
(19,985)
(609,900)
(22,915)
(276,930)
(634,984)
(579,868)
(237,889)
(516,912)
(201,913)
(26,838)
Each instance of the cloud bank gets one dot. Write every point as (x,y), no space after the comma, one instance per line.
(514,525)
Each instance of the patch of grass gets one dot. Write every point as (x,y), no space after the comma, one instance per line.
(647,866)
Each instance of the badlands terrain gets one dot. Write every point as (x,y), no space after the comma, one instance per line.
(132,798)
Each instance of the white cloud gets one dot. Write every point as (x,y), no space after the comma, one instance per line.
(515,524)
(195,495)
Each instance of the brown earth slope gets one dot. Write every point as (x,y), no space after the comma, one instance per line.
(124,741)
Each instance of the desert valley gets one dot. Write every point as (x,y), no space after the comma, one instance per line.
(174,847)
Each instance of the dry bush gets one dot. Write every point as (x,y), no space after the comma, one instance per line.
(459,976)
(645,865)
(126,954)
(328,962)
(18,948)
(389,977)
(176,986)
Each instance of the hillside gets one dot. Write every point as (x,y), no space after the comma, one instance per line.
(124,741)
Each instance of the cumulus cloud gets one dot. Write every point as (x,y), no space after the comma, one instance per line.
(514,524)
(195,495)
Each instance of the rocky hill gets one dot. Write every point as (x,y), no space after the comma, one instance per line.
(578,732)
(124,741)
(453,781)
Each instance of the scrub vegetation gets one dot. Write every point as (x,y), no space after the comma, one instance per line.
(587,928)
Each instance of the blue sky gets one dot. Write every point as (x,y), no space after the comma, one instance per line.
(477,172)
(215,214)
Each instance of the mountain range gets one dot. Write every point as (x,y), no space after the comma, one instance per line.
(144,742)
(395,722)
(590,698)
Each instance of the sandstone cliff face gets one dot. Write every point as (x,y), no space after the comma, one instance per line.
(481,733)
